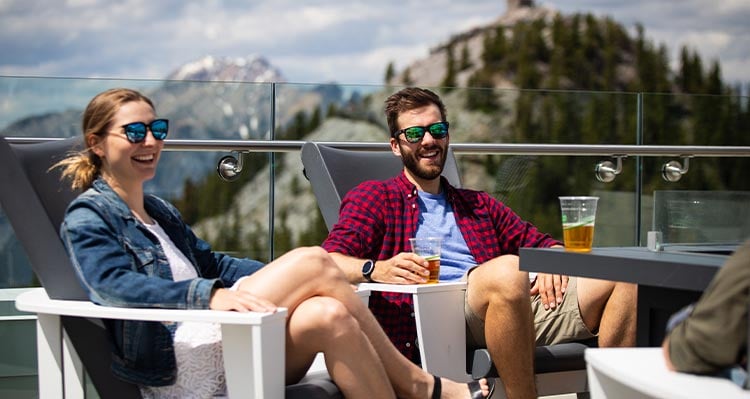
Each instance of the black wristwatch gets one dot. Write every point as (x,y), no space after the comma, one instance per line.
(367,270)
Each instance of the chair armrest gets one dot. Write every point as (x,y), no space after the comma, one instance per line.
(413,288)
(253,343)
(364,294)
(642,373)
(37,301)
(441,326)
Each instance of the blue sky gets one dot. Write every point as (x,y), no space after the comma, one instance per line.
(318,41)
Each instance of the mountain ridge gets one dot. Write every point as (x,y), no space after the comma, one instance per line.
(252,68)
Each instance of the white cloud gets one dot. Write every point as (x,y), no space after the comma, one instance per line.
(314,41)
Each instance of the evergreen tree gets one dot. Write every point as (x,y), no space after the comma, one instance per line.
(494,48)
(282,240)
(558,54)
(714,84)
(525,52)
(406,78)
(480,96)
(573,49)
(449,81)
(540,51)
(390,72)
(314,122)
(465,58)
(332,111)
(317,232)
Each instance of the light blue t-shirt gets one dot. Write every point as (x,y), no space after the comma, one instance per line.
(436,219)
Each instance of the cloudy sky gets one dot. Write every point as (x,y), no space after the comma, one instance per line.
(316,41)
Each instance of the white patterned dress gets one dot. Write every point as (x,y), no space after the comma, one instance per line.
(197,346)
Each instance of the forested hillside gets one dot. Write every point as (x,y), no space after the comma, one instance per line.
(540,77)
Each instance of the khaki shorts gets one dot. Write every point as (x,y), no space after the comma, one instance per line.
(563,324)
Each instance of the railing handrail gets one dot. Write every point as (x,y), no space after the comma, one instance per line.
(459,148)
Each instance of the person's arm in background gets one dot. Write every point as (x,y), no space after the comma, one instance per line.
(713,336)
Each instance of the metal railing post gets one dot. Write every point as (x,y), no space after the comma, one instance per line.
(638,168)
(272,176)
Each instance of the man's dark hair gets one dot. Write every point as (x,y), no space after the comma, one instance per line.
(408,99)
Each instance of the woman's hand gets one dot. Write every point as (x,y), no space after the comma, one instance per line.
(240,301)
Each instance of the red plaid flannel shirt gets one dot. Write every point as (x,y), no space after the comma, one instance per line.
(377,218)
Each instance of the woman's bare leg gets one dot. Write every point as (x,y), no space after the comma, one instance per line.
(307,272)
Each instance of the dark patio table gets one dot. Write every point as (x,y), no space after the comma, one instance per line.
(667,280)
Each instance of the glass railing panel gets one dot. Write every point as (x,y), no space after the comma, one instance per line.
(53,107)
(700,217)
(530,184)
(348,113)
(18,365)
(270,207)
(231,216)
(707,203)
(542,116)
(526,186)
(15,271)
(329,112)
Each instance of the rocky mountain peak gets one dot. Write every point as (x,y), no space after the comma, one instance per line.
(430,71)
(244,69)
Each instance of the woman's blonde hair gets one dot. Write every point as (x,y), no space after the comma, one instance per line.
(83,167)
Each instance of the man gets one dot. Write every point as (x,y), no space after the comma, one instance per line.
(711,336)
(481,241)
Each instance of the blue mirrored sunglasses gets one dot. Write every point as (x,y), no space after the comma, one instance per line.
(414,134)
(136,131)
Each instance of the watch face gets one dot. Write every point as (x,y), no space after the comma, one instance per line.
(367,268)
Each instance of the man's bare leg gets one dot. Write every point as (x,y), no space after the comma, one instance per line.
(499,293)
(618,325)
(609,307)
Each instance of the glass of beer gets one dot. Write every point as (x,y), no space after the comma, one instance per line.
(578,216)
(429,249)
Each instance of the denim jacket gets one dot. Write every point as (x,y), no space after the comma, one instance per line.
(120,263)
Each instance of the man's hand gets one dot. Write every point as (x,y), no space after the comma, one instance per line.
(551,288)
(241,301)
(404,268)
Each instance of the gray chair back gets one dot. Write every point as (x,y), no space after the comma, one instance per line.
(34,200)
(35,203)
(335,171)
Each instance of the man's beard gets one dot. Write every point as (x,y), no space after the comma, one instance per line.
(427,173)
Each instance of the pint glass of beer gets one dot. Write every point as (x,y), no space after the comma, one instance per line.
(578,216)
(429,249)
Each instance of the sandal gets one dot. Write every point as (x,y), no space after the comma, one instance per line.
(474,388)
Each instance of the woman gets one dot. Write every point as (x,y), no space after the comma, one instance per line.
(132,249)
